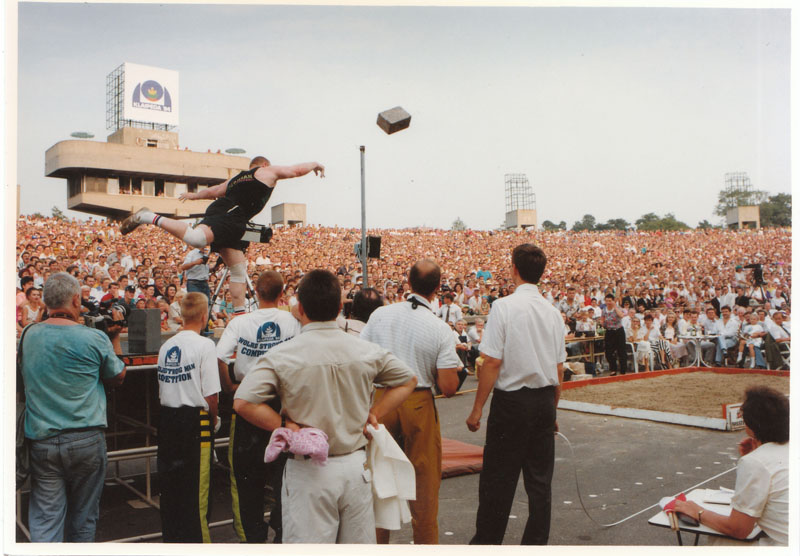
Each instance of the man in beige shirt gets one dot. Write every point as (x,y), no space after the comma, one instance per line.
(324,378)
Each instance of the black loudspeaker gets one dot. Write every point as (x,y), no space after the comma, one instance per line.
(374,247)
(144,331)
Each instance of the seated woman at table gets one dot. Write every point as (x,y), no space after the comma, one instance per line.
(761,496)
(636,336)
(670,332)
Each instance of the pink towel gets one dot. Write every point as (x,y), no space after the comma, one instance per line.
(309,442)
(277,444)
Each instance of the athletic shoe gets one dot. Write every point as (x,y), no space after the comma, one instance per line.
(132,221)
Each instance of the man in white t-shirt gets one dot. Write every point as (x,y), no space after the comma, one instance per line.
(753,339)
(250,336)
(188,383)
(100,290)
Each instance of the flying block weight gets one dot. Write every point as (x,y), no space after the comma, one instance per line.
(393,120)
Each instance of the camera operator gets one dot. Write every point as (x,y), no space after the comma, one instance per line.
(87,305)
(64,366)
(195,268)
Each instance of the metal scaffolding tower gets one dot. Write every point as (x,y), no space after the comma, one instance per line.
(519,193)
(520,202)
(738,182)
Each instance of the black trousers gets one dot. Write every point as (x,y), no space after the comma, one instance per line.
(772,352)
(185,440)
(519,437)
(615,350)
(249,477)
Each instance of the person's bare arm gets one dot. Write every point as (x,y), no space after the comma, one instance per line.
(113,333)
(117,380)
(213,192)
(560,370)
(258,414)
(486,381)
(447,380)
(390,401)
(213,405)
(737,525)
(225,378)
(187,266)
(271,174)
(23,308)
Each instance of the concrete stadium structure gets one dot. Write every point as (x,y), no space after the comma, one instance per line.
(137,167)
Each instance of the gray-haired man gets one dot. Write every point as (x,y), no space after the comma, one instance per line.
(64,366)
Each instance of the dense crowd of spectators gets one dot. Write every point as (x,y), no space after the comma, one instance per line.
(648,272)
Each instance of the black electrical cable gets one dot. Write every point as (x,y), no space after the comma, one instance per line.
(580,498)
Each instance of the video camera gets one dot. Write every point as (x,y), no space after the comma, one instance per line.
(758,273)
(257,233)
(102,317)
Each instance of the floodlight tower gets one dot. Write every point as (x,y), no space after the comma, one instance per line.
(520,202)
(746,213)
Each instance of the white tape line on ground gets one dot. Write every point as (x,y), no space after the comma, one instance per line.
(647,414)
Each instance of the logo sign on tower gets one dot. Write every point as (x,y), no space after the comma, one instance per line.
(151,94)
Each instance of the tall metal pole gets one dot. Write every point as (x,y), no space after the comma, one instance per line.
(363,223)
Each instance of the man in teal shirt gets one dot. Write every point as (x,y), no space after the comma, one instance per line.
(64,366)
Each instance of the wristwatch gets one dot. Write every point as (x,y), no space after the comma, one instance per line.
(699,515)
(283,420)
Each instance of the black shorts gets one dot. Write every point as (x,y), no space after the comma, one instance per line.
(227,223)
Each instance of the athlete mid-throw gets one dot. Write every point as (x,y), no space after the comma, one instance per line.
(238,200)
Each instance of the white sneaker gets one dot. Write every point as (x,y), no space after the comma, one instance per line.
(753,363)
(739,358)
(132,222)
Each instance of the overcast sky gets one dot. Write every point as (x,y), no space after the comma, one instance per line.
(614,112)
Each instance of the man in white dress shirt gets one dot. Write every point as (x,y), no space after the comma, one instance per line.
(450,312)
(523,348)
(728,330)
(779,334)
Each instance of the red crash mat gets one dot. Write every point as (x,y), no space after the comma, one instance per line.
(460,458)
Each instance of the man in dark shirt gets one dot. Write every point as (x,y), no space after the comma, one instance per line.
(741,299)
(614,337)
(237,201)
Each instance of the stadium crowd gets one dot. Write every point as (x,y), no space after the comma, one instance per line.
(649,273)
(680,298)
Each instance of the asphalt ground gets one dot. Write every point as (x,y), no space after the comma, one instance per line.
(623,467)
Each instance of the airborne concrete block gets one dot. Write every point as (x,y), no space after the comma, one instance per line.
(393,120)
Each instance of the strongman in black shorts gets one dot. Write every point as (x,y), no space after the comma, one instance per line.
(238,200)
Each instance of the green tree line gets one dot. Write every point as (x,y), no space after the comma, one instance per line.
(775,211)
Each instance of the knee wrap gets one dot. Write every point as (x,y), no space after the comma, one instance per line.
(195,237)
(239,273)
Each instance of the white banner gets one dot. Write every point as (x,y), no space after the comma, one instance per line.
(151,95)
